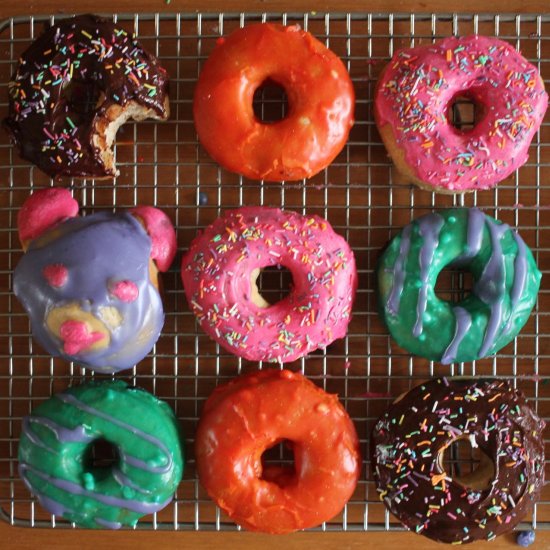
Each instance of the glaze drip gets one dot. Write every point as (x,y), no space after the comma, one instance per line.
(399,273)
(429,227)
(490,287)
(463,324)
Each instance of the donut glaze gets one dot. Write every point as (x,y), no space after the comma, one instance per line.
(54,454)
(88,284)
(218,268)
(57,77)
(410,439)
(320,99)
(505,285)
(418,87)
(252,413)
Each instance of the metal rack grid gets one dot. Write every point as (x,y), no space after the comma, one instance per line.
(360,194)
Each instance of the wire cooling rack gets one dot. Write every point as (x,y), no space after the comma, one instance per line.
(360,194)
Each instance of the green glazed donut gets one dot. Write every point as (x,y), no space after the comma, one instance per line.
(55,445)
(506,283)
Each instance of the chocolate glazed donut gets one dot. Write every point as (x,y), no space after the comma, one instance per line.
(74,87)
(409,441)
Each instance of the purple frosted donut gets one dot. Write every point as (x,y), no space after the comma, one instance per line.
(89,283)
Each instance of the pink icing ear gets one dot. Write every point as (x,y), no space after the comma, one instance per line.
(43,210)
(162,233)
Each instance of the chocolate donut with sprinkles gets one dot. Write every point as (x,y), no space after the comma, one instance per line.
(506,281)
(219,274)
(74,87)
(418,88)
(409,442)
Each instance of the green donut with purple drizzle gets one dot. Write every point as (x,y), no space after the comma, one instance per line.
(505,285)
(55,454)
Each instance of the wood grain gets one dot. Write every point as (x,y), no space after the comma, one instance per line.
(23,538)
(103,6)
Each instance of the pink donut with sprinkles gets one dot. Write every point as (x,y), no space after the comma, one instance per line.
(219,274)
(418,88)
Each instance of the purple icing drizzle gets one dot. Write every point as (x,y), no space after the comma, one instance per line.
(108,524)
(54,507)
(76,489)
(62,434)
(133,461)
(399,274)
(490,288)
(429,227)
(57,509)
(124,481)
(463,324)
(476,224)
(520,277)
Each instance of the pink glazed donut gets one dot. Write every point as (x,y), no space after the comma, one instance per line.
(219,274)
(416,91)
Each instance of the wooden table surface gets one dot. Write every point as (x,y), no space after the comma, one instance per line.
(23,538)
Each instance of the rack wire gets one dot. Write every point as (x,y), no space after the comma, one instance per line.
(360,194)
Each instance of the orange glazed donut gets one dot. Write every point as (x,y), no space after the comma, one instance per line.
(320,98)
(252,413)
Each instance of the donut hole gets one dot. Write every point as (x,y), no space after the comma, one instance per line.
(467,464)
(100,457)
(270,285)
(464,113)
(454,284)
(81,98)
(278,464)
(270,102)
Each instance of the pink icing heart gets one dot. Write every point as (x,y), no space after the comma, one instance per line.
(76,337)
(125,291)
(56,275)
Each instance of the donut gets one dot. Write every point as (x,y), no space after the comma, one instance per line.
(55,459)
(416,91)
(409,442)
(252,413)
(76,84)
(505,285)
(219,274)
(89,284)
(320,103)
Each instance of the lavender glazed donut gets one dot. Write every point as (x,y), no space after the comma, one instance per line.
(220,269)
(419,85)
(89,284)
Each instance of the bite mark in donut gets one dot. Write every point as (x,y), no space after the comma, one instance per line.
(76,84)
